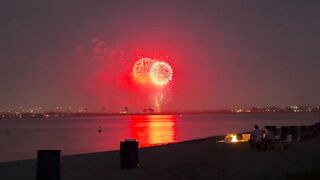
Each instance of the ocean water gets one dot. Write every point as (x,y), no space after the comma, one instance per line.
(21,138)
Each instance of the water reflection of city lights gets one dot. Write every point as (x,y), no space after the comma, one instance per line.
(154,129)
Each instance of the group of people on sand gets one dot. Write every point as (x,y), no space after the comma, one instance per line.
(261,139)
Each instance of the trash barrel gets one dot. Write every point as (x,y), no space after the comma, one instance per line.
(284,132)
(129,157)
(48,165)
(303,128)
(317,126)
(293,130)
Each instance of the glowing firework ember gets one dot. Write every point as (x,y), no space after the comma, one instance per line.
(141,70)
(161,73)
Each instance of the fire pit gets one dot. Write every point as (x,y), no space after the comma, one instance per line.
(233,138)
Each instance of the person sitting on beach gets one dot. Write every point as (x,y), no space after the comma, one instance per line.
(255,138)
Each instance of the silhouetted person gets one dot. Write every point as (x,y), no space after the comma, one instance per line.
(255,138)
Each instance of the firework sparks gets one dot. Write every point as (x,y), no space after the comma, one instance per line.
(161,73)
(158,101)
(141,70)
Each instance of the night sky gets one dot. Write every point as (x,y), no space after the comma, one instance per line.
(224,53)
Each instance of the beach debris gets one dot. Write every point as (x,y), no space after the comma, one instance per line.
(100,129)
(7,132)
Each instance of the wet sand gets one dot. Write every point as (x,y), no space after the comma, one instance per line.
(198,159)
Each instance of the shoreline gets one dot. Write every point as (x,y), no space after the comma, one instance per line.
(94,114)
(195,159)
(117,150)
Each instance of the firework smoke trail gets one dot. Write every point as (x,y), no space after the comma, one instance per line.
(158,101)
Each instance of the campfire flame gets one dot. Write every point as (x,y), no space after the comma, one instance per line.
(231,138)
(234,138)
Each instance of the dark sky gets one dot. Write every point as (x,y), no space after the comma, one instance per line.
(224,53)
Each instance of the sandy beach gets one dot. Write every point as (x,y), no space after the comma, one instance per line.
(197,159)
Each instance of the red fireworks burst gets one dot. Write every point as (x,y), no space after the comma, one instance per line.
(147,70)
(161,73)
(141,70)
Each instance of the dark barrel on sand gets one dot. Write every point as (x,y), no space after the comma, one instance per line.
(129,157)
(48,165)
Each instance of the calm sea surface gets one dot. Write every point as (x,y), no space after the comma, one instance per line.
(21,138)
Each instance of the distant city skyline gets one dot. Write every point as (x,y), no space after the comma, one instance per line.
(224,54)
(126,109)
